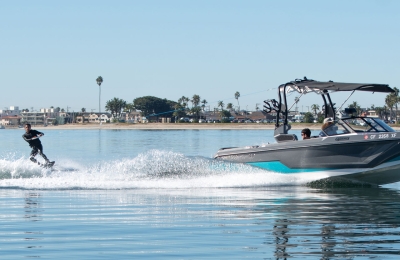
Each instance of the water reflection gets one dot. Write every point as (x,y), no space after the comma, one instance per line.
(280,231)
(33,213)
(348,222)
(282,222)
(33,206)
(252,223)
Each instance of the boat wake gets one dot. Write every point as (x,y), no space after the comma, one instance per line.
(152,169)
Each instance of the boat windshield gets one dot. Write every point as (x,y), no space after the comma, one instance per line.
(367,124)
(334,128)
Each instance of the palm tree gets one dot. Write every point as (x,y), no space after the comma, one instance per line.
(195,100)
(99,80)
(187,102)
(315,107)
(181,100)
(179,112)
(237,96)
(221,104)
(356,106)
(129,107)
(203,102)
(229,106)
(390,101)
(396,99)
(379,111)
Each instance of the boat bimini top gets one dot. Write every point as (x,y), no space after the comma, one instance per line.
(304,86)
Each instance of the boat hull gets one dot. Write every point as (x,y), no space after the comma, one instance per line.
(354,158)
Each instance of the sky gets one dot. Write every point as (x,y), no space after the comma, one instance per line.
(53,51)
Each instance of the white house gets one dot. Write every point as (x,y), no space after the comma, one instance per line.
(97,118)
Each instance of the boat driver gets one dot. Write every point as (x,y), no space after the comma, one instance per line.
(305,134)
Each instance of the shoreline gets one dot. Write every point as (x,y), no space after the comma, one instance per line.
(178,126)
(175,126)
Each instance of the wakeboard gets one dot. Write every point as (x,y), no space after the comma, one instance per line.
(48,165)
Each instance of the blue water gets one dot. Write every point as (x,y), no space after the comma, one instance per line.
(133,194)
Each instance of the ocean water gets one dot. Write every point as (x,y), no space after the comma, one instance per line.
(158,194)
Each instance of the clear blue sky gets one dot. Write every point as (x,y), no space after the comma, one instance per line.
(53,51)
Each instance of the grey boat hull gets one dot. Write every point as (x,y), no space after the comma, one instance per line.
(354,157)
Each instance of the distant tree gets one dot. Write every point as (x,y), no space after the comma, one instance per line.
(356,106)
(195,100)
(308,117)
(62,110)
(237,96)
(129,107)
(183,101)
(203,104)
(229,106)
(380,111)
(115,106)
(396,99)
(150,105)
(320,117)
(390,101)
(196,111)
(179,111)
(315,107)
(221,104)
(187,102)
(83,110)
(225,114)
(99,80)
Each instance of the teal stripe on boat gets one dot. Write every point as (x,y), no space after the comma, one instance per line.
(394,159)
(279,167)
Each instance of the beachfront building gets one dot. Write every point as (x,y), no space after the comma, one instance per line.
(10,120)
(11,111)
(33,118)
(82,118)
(46,116)
(133,117)
(51,115)
(99,118)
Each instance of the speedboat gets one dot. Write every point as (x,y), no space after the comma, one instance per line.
(354,149)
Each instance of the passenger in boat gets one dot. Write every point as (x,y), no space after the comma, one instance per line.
(327,127)
(305,133)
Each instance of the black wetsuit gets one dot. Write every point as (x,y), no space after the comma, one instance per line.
(35,144)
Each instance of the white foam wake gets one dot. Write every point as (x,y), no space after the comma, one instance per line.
(153,169)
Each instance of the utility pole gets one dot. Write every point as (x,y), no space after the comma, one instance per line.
(67,114)
(99,80)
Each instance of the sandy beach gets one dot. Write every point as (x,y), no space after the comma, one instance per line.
(182,126)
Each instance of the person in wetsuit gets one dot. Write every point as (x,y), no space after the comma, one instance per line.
(32,137)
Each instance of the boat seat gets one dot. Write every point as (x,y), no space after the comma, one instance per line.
(285,138)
